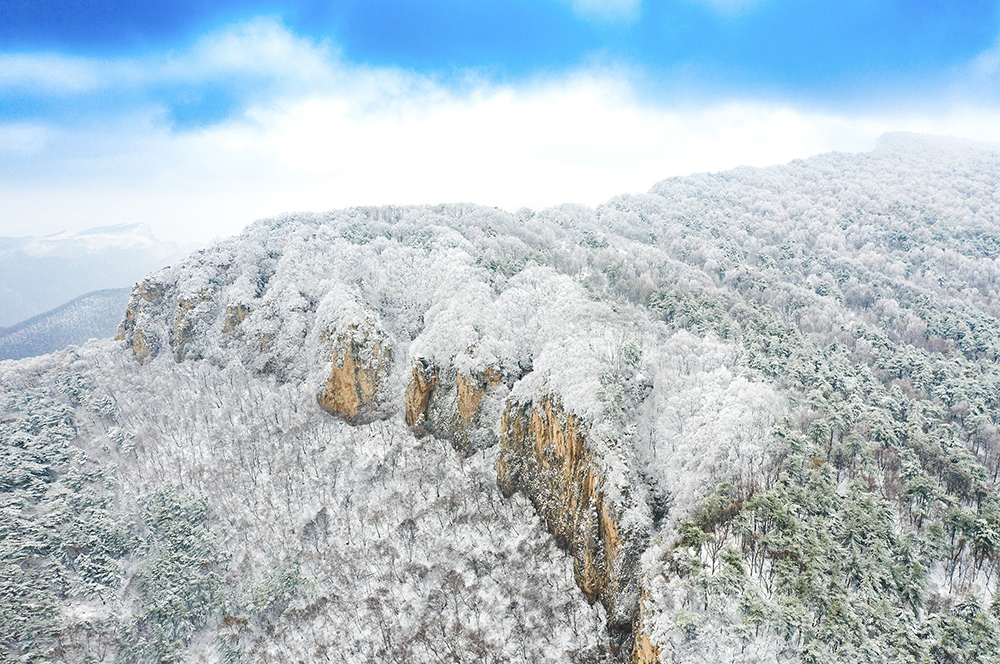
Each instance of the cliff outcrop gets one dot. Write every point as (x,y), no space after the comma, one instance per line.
(546,454)
(711,292)
(644,650)
(468,355)
(418,395)
(360,361)
(133,329)
(188,313)
(235,315)
(454,405)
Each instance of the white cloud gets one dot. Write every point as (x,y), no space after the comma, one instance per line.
(980,78)
(259,47)
(49,72)
(23,139)
(361,135)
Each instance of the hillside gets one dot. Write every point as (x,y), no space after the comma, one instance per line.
(92,316)
(748,417)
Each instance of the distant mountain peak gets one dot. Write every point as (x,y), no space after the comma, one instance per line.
(120,229)
(93,240)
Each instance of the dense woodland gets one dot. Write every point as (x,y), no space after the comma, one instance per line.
(791,374)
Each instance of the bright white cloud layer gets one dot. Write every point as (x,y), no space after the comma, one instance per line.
(338,135)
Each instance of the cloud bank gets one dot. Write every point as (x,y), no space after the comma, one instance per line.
(253,121)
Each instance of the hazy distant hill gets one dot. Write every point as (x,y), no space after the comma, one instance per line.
(92,316)
(40,273)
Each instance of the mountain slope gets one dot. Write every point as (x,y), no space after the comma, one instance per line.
(92,316)
(757,410)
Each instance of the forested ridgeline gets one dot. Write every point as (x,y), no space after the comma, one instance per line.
(785,382)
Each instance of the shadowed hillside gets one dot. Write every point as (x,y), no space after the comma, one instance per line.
(92,316)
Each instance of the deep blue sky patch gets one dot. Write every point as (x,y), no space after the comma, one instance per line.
(511,37)
(102,27)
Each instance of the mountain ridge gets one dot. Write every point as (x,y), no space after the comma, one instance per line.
(92,315)
(756,409)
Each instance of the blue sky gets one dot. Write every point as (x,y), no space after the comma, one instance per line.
(199,117)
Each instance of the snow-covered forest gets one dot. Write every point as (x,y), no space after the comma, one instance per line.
(748,416)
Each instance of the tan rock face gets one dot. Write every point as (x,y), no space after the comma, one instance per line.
(130,331)
(545,453)
(151,292)
(141,349)
(448,404)
(361,360)
(235,315)
(418,394)
(472,389)
(644,651)
(127,324)
(184,321)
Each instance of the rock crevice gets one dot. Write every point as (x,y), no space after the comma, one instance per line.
(450,404)
(131,330)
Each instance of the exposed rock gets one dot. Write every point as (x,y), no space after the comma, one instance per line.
(418,393)
(472,389)
(545,452)
(141,348)
(448,403)
(361,359)
(128,322)
(185,319)
(644,651)
(131,331)
(151,292)
(235,315)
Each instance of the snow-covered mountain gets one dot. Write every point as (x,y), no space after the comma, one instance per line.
(746,417)
(40,273)
(92,316)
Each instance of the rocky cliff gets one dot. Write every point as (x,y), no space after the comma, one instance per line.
(678,366)
(359,369)
(456,386)
(189,312)
(545,452)
(418,396)
(460,407)
(412,319)
(146,296)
